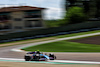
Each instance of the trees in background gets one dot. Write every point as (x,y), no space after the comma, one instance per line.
(75,15)
(85,4)
(77,11)
(91,7)
(69,3)
(97,8)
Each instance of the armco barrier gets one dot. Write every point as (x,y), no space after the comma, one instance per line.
(48,35)
(86,26)
(39,36)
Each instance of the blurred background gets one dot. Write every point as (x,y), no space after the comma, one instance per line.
(58,16)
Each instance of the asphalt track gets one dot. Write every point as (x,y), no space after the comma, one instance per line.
(49,61)
(9,52)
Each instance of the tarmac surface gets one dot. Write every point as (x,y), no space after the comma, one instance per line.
(21,64)
(5,52)
(89,40)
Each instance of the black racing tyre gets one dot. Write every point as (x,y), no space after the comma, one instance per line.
(51,59)
(27,58)
(55,57)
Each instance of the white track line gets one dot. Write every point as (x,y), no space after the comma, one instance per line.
(70,61)
(67,38)
(12,59)
(17,50)
(61,61)
(60,39)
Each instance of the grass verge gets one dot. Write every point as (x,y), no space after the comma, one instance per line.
(65,46)
(77,34)
(26,41)
(45,38)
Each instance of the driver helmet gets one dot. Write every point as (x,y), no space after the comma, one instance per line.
(52,54)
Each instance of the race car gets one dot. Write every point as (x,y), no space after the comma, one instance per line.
(37,56)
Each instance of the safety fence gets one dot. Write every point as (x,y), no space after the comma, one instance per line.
(72,28)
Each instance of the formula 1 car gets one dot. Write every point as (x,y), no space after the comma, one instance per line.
(33,56)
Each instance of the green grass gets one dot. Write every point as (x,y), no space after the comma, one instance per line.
(65,46)
(59,36)
(77,34)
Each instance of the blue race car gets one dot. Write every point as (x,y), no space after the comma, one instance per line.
(37,56)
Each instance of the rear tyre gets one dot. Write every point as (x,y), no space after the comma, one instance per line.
(55,57)
(27,58)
